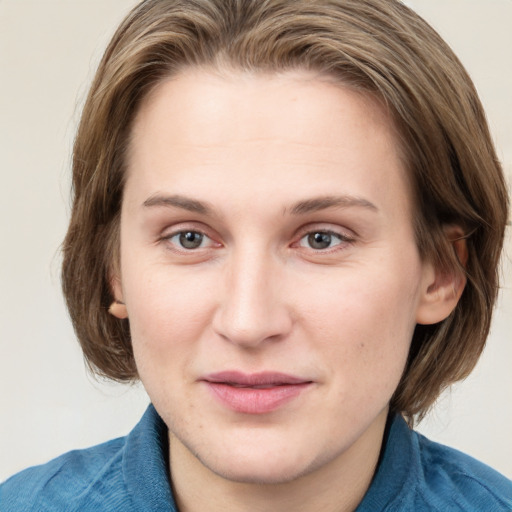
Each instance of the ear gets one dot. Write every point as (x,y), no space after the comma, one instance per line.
(442,288)
(118,307)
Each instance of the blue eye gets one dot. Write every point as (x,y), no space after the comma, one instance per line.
(188,239)
(319,240)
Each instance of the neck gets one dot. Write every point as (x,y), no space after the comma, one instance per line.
(339,485)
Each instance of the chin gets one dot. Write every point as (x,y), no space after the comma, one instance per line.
(258,473)
(258,466)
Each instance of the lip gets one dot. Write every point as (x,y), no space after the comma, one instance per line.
(255,393)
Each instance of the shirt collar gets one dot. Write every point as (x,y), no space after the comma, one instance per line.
(145,464)
(398,467)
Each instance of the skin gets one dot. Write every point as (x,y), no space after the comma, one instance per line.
(261,153)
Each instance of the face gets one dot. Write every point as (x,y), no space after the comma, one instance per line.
(269,269)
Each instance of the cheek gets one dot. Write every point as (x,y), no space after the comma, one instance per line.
(168,313)
(167,324)
(364,327)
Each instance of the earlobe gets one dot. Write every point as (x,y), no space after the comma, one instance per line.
(439,300)
(118,307)
(442,288)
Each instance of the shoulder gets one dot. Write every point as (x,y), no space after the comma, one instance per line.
(452,480)
(128,474)
(67,482)
(417,474)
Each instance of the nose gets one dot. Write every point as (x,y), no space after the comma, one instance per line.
(253,307)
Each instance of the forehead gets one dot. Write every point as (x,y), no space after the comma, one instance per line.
(296,129)
(199,98)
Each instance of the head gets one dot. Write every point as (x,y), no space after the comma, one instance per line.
(379,50)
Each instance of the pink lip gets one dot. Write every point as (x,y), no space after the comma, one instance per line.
(255,393)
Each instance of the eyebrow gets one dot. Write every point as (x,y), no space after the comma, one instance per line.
(322,203)
(299,208)
(178,201)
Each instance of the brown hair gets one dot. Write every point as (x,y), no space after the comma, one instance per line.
(377,46)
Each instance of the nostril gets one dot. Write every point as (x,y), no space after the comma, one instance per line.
(250,310)
(251,332)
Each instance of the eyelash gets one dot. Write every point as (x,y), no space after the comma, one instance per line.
(175,246)
(341,238)
(328,235)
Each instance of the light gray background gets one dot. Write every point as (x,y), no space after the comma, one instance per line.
(48,404)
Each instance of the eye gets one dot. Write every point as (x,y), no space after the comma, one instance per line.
(321,240)
(189,240)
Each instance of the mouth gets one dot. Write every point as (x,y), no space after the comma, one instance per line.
(256,393)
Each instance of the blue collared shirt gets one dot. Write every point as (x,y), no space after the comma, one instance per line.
(130,474)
